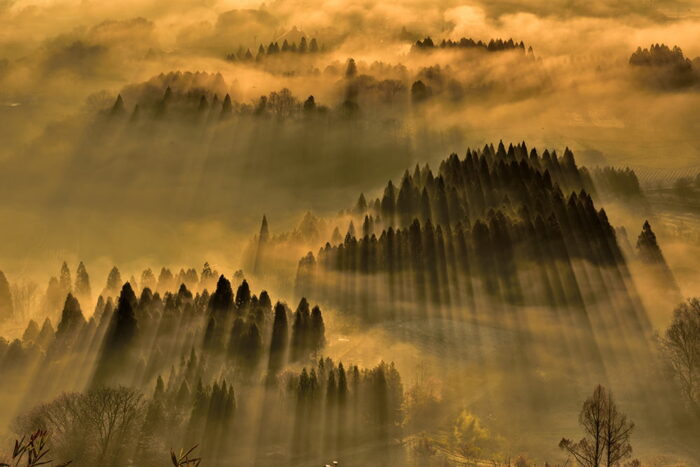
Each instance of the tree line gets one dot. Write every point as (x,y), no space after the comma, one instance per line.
(665,67)
(493,45)
(273,48)
(478,223)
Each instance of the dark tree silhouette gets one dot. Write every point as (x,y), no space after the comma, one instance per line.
(351,69)
(300,331)
(279,339)
(310,104)
(243,295)
(118,109)
(317,331)
(227,107)
(420,92)
(72,319)
(648,247)
(221,301)
(117,352)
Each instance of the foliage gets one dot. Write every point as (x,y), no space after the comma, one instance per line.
(182,459)
(32,452)
(470,438)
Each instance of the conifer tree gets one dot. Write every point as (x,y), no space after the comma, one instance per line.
(159,392)
(227,107)
(342,384)
(647,246)
(317,331)
(279,339)
(46,335)
(148,279)
(82,283)
(124,322)
(117,358)
(207,277)
(118,109)
(351,69)
(31,333)
(64,279)
(419,92)
(114,281)
(264,302)
(243,295)
(310,105)
(72,319)
(263,239)
(300,331)
(221,301)
(165,280)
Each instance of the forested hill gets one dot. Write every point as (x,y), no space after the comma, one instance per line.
(495,229)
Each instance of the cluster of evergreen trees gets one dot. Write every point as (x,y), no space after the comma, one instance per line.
(660,55)
(336,409)
(494,45)
(202,107)
(208,344)
(59,287)
(666,67)
(273,48)
(495,226)
(132,339)
(262,251)
(616,183)
(316,413)
(464,189)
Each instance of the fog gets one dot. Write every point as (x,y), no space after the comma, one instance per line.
(461,189)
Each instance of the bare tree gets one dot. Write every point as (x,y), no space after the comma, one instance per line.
(63,417)
(607,433)
(112,414)
(616,434)
(681,346)
(97,425)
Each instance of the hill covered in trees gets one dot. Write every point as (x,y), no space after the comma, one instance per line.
(487,238)
(665,67)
